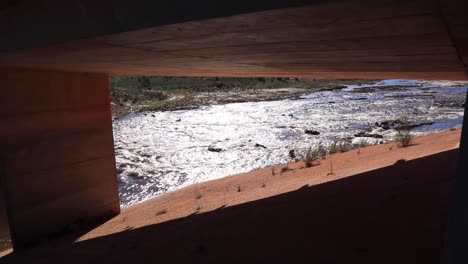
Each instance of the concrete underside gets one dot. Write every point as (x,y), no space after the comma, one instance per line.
(418,39)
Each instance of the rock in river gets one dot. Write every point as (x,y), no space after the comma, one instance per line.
(214,149)
(312,132)
(292,154)
(368,135)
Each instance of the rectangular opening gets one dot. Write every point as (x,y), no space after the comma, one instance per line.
(174,132)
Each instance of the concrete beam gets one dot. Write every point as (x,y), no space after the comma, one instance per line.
(412,39)
(57,147)
(44,22)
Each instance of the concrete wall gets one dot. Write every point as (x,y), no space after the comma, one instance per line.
(56,144)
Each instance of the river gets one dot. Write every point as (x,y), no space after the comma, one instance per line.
(157,152)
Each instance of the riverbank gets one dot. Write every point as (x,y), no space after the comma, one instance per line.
(379,201)
(272,181)
(140,93)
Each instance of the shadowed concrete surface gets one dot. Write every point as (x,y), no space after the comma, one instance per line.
(56,150)
(395,214)
(5,242)
(48,21)
(4,230)
(456,246)
(417,39)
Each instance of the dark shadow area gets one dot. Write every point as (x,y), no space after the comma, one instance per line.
(395,214)
(5,239)
(5,242)
(132,15)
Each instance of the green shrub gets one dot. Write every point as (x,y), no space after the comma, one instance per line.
(404,136)
(343,146)
(365,143)
(312,154)
(143,82)
(333,149)
(285,169)
(331,172)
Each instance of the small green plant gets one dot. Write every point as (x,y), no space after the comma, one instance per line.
(404,136)
(199,207)
(197,193)
(239,188)
(143,82)
(343,146)
(333,149)
(273,171)
(365,143)
(331,168)
(312,154)
(285,169)
(161,212)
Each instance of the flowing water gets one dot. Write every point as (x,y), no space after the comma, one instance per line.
(157,152)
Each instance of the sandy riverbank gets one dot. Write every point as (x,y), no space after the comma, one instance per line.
(255,185)
(380,201)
